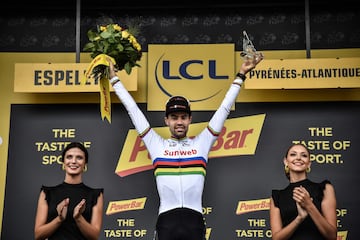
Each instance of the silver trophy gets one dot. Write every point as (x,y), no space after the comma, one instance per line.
(249,51)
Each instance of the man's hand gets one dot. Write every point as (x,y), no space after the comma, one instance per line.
(112,69)
(250,63)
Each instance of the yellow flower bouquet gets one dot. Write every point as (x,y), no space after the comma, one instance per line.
(115,43)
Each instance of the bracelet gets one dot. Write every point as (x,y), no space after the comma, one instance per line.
(241,76)
(114,80)
(238,81)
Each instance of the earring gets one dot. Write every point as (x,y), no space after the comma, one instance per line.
(63,167)
(85,168)
(308,169)
(287,170)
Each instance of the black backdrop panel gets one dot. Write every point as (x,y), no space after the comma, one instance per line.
(229,179)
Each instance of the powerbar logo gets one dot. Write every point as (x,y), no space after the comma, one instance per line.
(239,136)
(125,205)
(253,206)
(207,234)
(342,235)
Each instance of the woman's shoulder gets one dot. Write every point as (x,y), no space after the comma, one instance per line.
(93,190)
(47,187)
(66,185)
(320,186)
(94,193)
(325,183)
(322,183)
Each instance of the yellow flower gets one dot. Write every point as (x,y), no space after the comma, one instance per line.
(125,34)
(117,27)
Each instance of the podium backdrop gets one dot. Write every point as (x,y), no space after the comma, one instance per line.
(39,131)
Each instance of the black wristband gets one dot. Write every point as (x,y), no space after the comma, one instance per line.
(114,80)
(241,76)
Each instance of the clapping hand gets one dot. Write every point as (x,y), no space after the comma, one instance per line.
(62,208)
(302,199)
(79,209)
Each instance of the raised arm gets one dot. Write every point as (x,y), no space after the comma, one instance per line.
(217,121)
(136,115)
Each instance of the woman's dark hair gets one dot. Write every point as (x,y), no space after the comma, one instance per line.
(75,145)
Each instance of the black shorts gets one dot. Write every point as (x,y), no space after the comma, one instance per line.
(180,224)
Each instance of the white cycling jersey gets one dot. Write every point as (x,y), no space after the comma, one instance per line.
(179,164)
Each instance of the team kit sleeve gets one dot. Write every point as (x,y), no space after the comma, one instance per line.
(217,121)
(136,115)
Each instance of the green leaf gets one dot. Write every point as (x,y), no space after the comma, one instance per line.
(106,46)
(89,47)
(127,68)
(105,34)
(91,35)
(120,47)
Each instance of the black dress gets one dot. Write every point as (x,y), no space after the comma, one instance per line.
(283,200)
(54,195)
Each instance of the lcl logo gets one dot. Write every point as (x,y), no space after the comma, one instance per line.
(166,70)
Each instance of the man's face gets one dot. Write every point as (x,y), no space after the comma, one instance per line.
(178,123)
